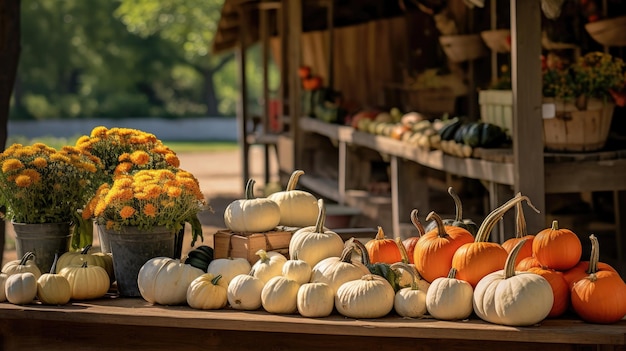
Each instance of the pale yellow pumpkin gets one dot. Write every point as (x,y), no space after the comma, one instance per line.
(93,259)
(229,268)
(53,288)
(335,271)
(298,208)
(207,292)
(315,300)
(244,292)
(3,279)
(280,295)
(371,296)
(87,282)
(21,288)
(297,269)
(24,264)
(409,301)
(252,215)
(449,298)
(164,280)
(269,265)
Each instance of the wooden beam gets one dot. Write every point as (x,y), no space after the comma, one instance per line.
(294,18)
(242,110)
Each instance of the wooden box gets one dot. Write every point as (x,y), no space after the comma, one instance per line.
(229,244)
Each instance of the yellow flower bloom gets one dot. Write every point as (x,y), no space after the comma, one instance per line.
(39,162)
(149,210)
(140,157)
(11,164)
(127,212)
(23,181)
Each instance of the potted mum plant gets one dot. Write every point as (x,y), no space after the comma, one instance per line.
(41,189)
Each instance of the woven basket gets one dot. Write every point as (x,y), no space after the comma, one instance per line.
(460,48)
(609,32)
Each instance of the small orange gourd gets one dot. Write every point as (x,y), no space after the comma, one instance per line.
(520,234)
(557,248)
(382,249)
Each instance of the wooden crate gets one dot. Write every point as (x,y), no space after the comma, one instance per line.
(229,244)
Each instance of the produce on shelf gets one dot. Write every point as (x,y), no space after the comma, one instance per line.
(78,257)
(449,298)
(229,268)
(513,298)
(200,257)
(382,249)
(279,295)
(244,292)
(252,215)
(269,265)
(598,297)
(24,264)
(53,288)
(87,282)
(315,300)
(164,280)
(557,248)
(298,208)
(207,292)
(409,301)
(458,220)
(297,269)
(21,288)
(370,296)
(335,271)
(520,234)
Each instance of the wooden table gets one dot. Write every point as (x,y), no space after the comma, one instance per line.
(132,324)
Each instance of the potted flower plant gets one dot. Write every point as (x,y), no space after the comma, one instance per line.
(42,187)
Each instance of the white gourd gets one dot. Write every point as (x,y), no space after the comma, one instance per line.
(280,295)
(229,268)
(252,215)
(298,208)
(315,243)
(164,280)
(513,298)
(369,297)
(298,270)
(409,301)
(315,300)
(335,271)
(449,298)
(244,292)
(23,265)
(207,292)
(21,288)
(269,265)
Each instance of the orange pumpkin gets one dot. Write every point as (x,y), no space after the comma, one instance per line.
(599,297)
(475,260)
(382,249)
(304,72)
(521,234)
(557,248)
(560,289)
(409,244)
(433,252)
(527,263)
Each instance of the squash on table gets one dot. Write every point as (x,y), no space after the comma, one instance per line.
(458,220)
(24,264)
(297,269)
(370,296)
(557,248)
(449,298)
(599,297)
(87,282)
(229,268)
(379,268)
(433,252)
(3,279)
(315,243)
(335,271)
(77,258)
(53,288)
(409,301)
(244,292)
(475,260)
(165,280)
(201,257)
(581,270)
(315,300)
(280,295)
(269,265)
(252,215)
(560,289)
(520,234)
(298,208)
(406,279)
(409,243)
(207,292)
(382,249)
(513,298)
(21,288)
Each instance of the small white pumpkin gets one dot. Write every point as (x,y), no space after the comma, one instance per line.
(229,268)
(315,243)
(409,301)
(207,292)
(24,264)
(244,292)
(335,271)
(280,295)
(371,296)
(298,208)
(297,269)
(21,288)
(3,279)
(269,265)
(53,288)
(87,281)
(509,298)
(252,215)
(164,280)
(315,300)
(449,298)
(406,279)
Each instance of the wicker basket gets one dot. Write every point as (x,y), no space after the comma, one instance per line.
(609,32)
(460,48)
(498,40)
(575,130)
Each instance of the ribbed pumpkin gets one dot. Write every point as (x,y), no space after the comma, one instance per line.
(298,208)
(527,263)
(53,288)
(383,249)
(560,289)
(521,233)
(599,297)
(433,253)
(581,269)
(23,265)
(475,260)
(449,298)
(252,215)
(557,248)
(77,258)
(87,282)
(335,271)
(409,243)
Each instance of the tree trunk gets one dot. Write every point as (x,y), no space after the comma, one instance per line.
(209,93)
(9,55)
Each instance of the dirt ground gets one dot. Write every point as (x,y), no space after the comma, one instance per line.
(221,181)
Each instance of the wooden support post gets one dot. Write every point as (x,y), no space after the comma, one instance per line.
(264,34)
(242,108)
(294,18)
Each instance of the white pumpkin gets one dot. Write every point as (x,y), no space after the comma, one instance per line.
(244,292)
(24,264)
(269,265)
(53,288)
(335,271)
(298,270)
(371,296)
(229,268)
(252,215)
(315,300)
(449,298)
(207,292)
(21,288)
(280,295)
(298,208)
(3,279)
(164,280)
(513,298)
(409,301)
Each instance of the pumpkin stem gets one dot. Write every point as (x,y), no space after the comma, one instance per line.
(365,256)
(215,280)
(457,205)
(409,269)
(403,253)
(380,235)
(595,255)
(492,218)
(321,217)
(293,180)
(53,269)
(452,273)
(84,265)
(348,249)
(555,225)
(262,255)
(250,189)
(441,229)
(85,250)
(416,222)
(27,256)
(509,266)
(520,220)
